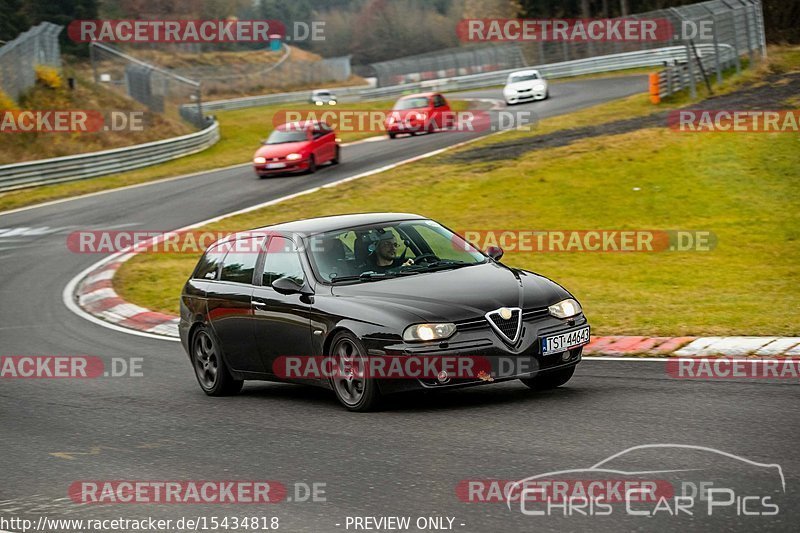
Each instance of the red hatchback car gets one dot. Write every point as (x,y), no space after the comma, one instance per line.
(417,113)
(297,147)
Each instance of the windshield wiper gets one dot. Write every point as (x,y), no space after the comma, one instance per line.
(364,276)
(442,264)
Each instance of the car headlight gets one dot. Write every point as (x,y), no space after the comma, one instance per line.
(565,308)
(259,160)
(293,157)
(428,332)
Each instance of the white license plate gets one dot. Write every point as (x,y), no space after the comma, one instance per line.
(565,341)
(276,165)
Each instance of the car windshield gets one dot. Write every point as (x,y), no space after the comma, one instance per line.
(286,136)
(523,77)
(369,253)
(411,103)
(323,94)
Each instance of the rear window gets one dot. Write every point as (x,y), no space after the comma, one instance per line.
(209,263)
(240,263)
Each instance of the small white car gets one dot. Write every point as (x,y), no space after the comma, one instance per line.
(323,97)
(524,86)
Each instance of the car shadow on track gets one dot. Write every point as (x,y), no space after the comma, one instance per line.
(427,400)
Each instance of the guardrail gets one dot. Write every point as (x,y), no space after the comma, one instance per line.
(277,98)
(93,164)
(565,69)
(593,65)
(691,71)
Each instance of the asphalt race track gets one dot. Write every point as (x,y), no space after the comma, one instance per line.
(405,461)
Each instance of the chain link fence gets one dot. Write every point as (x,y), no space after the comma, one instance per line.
(161,90)
(37,46)
(290,71)
(735,23)
(447,64)
(737,29)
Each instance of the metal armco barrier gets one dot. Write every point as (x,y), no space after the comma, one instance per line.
(688,73)
(593,65)
(82,166)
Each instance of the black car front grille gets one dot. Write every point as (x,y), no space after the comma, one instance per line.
(509,327)
(471,324)
(534,314)
(528,315)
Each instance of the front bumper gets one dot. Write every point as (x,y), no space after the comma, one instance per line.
(289,168)
(531,96)
(523,360)
(403,127)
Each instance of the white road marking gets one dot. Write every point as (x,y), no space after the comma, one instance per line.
(649,359)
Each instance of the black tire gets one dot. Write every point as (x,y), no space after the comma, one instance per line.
(312,165)
(549,380)
(336,157)
(392,135)
(209,367)
(357,395)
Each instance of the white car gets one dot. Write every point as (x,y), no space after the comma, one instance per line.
(323,97)
(524,86)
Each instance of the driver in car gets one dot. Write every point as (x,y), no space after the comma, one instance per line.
(384,254)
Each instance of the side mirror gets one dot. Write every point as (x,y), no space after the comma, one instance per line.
(289,286)
(495,252)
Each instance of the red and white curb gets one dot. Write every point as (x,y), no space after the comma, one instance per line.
(95,295)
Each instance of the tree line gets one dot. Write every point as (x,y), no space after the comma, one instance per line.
(368,30)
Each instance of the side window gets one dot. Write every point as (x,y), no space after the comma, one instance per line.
(240,263)
(438,100)
(209,263)
(282,262)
